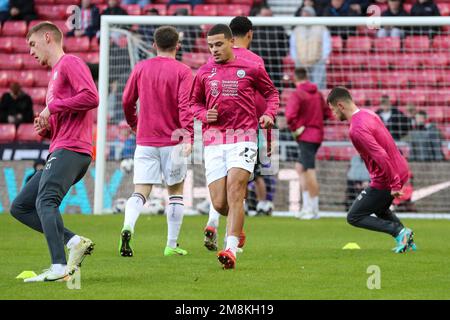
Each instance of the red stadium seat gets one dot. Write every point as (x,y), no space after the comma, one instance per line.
(62,24)
(40,2)
(407,7)
(445,130)
(437,114)
(337,79)
(205,10)
(41,77)
(132,9)
(14,28)
(26,78)
(4,79)
(38,95)
(6,44)
(444,8)
(416,44)
(19,45)
(233,10)
(416,97)
(95,45)
(216,1)
(195,60)
(29,62)
(342,153)
(406,61)
(393,79)
(441,43)
(388,44)
(162,8)
(34,22)
(247,2)
(11,62)
(423,79)
(359,97)
(92,57)
(102,7)
(201,45)
(373,97)
(69,2)
(363,80)
(173,8)
(337,43)
(359,44)
(377,62)
(335,133)
(76,44)
(323,153)
(7,133)
(26,133)
(438,97)
(51,13)
(445,79)
(436,60)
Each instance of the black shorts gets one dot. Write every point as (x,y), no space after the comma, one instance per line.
(308,151)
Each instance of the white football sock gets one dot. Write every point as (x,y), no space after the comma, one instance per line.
(306,201)
(232,244)
(73,242)
(174,214)
(314,201)
(132,210)
(213,220)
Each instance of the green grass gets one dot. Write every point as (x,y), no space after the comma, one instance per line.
(284,258)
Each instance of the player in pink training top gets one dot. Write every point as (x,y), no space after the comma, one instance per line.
(162,85)
(387,167)
(67,120)
(242,30)
(223,98)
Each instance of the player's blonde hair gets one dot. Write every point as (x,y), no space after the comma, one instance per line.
(46,26)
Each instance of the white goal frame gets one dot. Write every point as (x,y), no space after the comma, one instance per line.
(108,21)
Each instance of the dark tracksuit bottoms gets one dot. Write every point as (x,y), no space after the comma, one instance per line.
(375,201)
(37,204)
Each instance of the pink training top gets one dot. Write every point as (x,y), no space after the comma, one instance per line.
(232,86)
(387,167)
(71,96)
(307,107)
(260,102)
(162,85)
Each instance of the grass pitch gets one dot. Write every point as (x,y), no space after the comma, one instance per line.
(283,258)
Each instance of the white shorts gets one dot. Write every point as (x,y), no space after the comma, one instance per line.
(152,162)
(221,158)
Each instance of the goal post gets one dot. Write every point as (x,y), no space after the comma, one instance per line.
(410,75)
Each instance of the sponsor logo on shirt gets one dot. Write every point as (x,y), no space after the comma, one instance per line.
(214,85)
(55,75)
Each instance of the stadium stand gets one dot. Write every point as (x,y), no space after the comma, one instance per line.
(396,65)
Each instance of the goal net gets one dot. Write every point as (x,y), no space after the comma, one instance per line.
(397,67)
